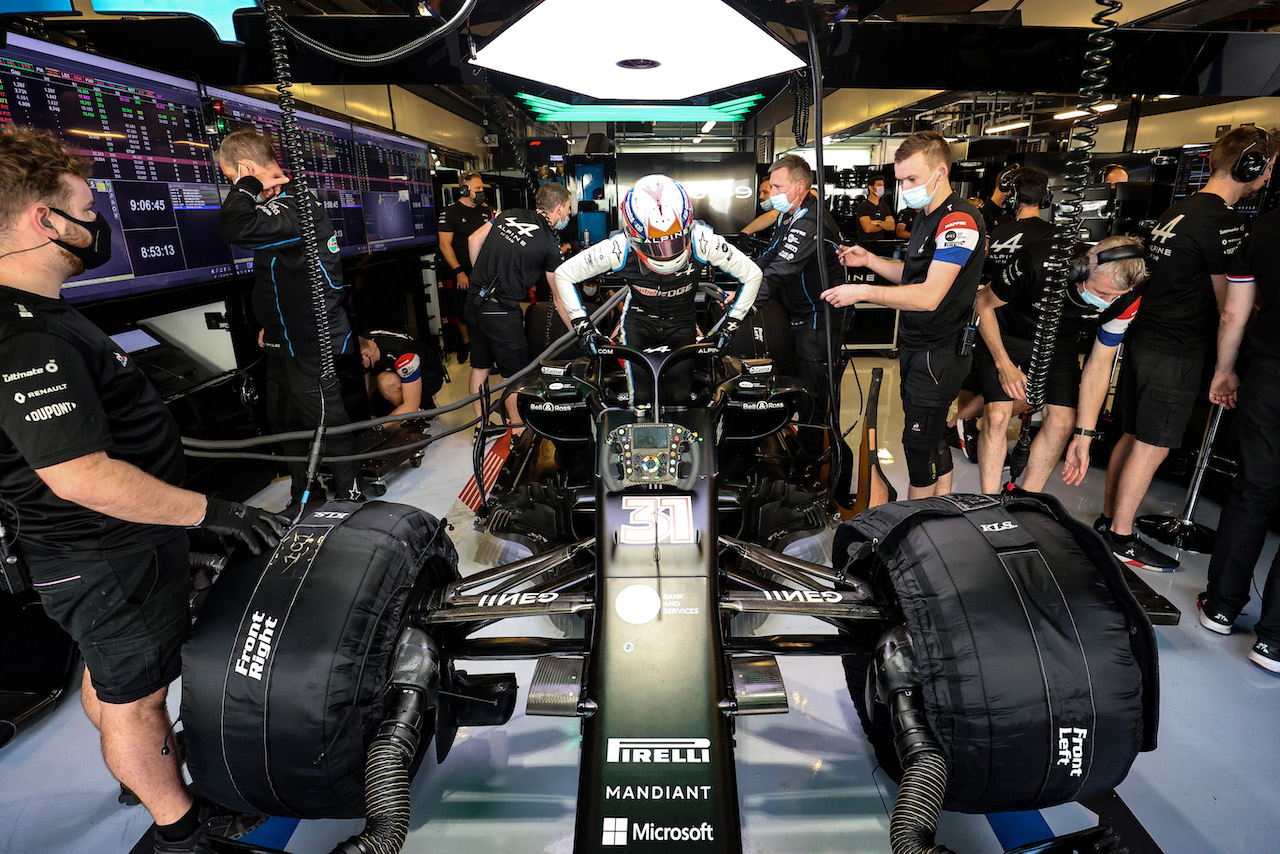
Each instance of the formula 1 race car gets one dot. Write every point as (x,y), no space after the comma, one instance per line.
(315,675)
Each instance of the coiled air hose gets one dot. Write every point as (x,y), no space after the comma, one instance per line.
(1066,220)
(394,55)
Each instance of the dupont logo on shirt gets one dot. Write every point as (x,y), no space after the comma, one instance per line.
(52,410)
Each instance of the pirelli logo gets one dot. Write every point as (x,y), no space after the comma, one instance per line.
(659,751)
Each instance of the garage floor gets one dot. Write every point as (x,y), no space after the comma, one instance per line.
(808,782)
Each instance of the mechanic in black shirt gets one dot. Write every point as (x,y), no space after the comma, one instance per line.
(1101,295)
(398,378)
(261,213)
(511,254)
(993,209)
(1191,253)
(791,274)
(90,462)
(1242,527)
(875,215)
(939,280)
(906,217)
(457,223)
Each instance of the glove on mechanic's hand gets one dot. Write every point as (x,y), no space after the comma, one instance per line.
(254,527)
(725,336)
(589,338)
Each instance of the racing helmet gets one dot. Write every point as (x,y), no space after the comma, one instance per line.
(657,218)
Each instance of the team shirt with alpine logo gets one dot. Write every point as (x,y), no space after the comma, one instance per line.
(953,234)
(1021,286)
(1196,237)
(669,296)
(1008,237)
(521,248)
(1260,255)
(790,264)
(67,390)
(397,353)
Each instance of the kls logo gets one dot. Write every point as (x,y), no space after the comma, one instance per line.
(1007,525)
(328,514)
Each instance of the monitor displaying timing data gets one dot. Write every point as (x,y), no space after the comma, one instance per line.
(152,175)
(395,189)
(328,164)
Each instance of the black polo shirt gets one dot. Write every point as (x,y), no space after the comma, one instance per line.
(1008,237)
(66,391)
(1261,257)
(953,233)
(462,222)
(877,209)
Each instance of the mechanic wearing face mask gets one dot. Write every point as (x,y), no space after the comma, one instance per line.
(261,214)
(91,460)
(768,216)
(939,281)
(661,253)
(457,223)
(509,255)
(1102,297)
(875,216)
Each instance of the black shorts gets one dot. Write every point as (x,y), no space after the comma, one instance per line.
(128,613)
(930,381)
(1062,385)
(497,338)
(1157,393)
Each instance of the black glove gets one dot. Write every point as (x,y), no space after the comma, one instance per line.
(589,338)
(725,336)
(254,527)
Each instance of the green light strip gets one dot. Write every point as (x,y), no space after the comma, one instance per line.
(558,111)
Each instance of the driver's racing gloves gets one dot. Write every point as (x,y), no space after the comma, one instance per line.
(724,337)
(589,338)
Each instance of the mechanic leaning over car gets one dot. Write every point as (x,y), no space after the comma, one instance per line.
(261,214)
(90,460)
(510,254)
(791,275)
(939,280)
(661,252)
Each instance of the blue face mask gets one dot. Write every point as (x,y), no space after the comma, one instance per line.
(919,197)
(767,205)
(1093,299)
(780,203)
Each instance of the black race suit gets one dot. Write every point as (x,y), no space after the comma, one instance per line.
(296,399)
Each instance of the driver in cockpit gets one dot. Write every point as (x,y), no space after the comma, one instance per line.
(661,253)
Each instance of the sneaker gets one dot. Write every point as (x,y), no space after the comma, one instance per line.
(1138,554)
(1212,618)
(214,821)
(1266,655)
(463,352)
(1102,525)
(967,430)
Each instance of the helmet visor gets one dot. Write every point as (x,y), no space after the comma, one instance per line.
(662,248)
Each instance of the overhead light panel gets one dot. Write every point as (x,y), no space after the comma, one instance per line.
(1071,114)
(548,110)
(1010,126)
(656,51)
(1106,108)
(1165,97)
(708,126)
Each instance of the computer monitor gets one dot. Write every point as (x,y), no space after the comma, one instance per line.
(328,158)
(153,175)
(396,189)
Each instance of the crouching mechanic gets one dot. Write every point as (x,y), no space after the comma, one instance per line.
(397,381)
(661,253)
(91,459)
(1100,295)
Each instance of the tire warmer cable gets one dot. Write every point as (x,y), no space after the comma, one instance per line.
(835,462)
(1066,220)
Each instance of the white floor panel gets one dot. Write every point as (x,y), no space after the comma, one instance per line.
(808,781)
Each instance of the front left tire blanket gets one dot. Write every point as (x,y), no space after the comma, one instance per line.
(284,674)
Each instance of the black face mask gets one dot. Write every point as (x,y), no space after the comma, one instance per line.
(479,197)
(98,252)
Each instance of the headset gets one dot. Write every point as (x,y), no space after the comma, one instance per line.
(1102,172)
(1004,183)
(464,189)
(1079,269)
(1251,163)
(1012,201)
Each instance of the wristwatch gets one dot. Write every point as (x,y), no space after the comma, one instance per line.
(1088,434)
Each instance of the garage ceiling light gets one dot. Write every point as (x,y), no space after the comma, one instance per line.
(1070,114)
(1106,108)
(1010,126)
(691,47)
(548,110)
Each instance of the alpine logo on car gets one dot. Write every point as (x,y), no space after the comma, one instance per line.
(493,600)
(1071,748)
(659,751)
(257,646)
